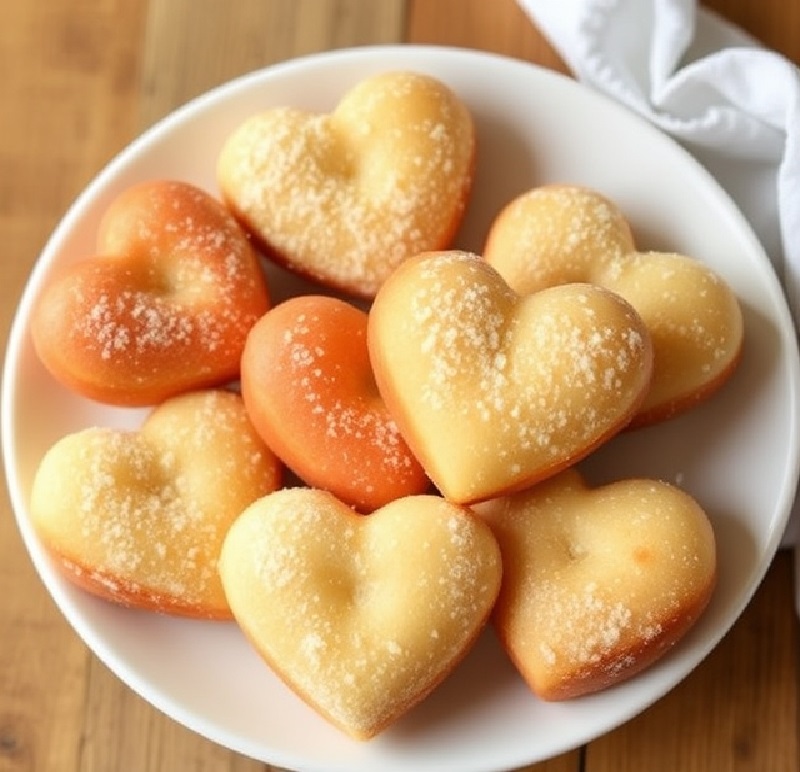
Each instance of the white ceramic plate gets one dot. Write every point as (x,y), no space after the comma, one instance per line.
(738,454)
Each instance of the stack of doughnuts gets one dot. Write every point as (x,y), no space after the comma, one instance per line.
(365,475)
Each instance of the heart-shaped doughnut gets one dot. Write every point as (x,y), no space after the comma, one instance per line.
(492,391)
(560,233)
(362,616)
(344,197)
(139,517)
(597,583)
(308,386)
(163,308)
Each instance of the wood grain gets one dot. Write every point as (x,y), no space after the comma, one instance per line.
(80,80)
(194,45)
(68,101)
(775,23)
(737,711)
(499,26)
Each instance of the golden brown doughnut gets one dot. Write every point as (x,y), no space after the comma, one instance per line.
(343,198)
(139,517)
(555,234)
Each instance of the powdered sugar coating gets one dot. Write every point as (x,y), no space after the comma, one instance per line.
(345,197)
(194,251)
(695,322)
(164,307)
(313,372)
(597,583)
(140,516)
(556,234)
(308,385)
(363,616)
(493,391)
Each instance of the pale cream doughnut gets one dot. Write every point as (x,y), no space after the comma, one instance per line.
(493,391)
(598,583)
(345,197)
(139,517)
(556,234)
(362,616)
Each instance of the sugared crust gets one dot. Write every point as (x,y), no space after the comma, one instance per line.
(164,307)
(695,322)
(343,198)
(560,233)
(139,517)
(494,392)
(308,386)
(554,234)
(598,584)
(361,616)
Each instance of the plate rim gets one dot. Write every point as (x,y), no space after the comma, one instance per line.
(170,122)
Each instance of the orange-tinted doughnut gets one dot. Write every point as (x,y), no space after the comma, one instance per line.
(163,308)
(308,386)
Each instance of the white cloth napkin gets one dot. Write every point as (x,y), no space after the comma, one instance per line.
(733,104)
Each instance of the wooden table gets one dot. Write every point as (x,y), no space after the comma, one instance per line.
(80,78)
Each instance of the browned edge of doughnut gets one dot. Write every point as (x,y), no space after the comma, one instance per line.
(550,471)
(622,663)
(271,253)
(121,592)
(684,403)
(382,722)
